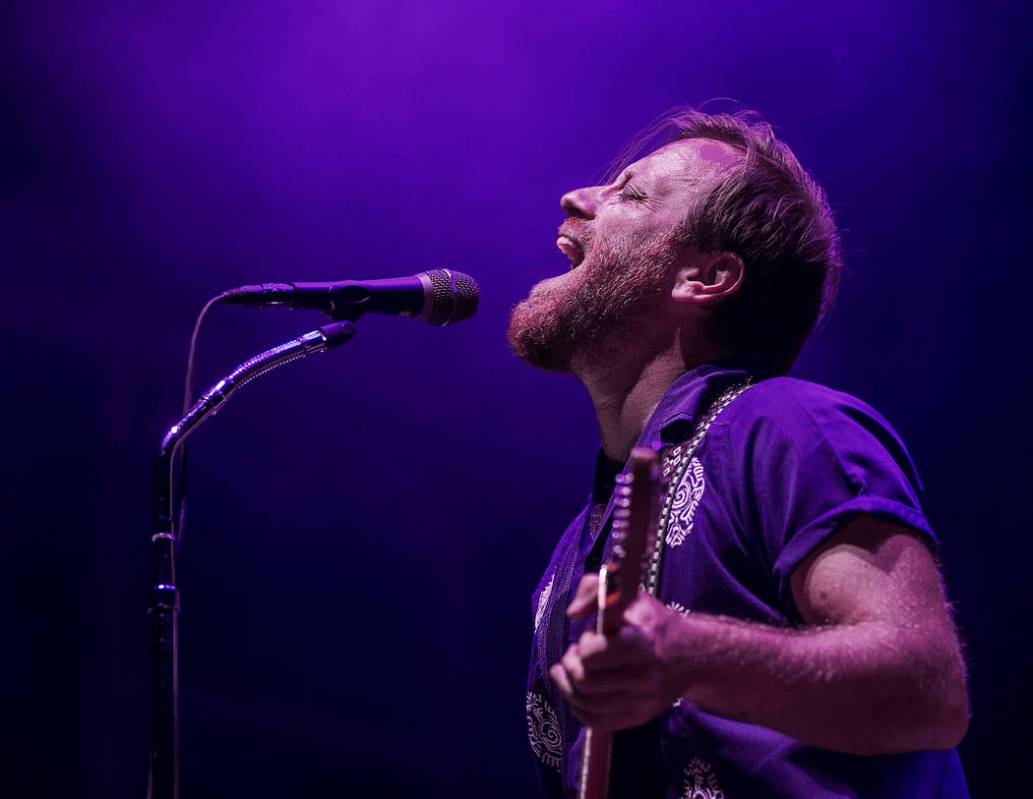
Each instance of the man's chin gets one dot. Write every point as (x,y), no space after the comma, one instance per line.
(537,336)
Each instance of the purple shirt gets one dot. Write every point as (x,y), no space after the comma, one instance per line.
(785,466)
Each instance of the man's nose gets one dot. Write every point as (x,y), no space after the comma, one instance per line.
(579,203)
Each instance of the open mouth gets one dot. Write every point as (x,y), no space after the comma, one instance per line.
(572,249)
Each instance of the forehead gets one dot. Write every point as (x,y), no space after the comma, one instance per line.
(690,160)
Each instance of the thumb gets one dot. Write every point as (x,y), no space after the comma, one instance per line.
(586,599)
(644,611)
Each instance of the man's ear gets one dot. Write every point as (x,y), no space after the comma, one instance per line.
(710,278)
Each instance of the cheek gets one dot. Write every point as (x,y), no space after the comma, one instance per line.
(664,244)
(656,250)
(642,238)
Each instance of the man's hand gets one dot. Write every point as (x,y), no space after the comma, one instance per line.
(618,681)
(877,669)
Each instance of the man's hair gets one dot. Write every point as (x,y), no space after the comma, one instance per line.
(770,212)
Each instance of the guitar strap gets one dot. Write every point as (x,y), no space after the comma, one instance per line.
(676,462)
(637,754)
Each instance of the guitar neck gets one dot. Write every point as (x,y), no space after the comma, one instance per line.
(634,526)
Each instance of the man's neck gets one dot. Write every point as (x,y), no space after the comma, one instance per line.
(625,391)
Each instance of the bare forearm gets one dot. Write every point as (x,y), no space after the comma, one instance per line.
(865,688)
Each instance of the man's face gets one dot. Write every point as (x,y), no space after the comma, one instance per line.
(624,242)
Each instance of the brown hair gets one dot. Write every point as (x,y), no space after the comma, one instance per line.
(770,212)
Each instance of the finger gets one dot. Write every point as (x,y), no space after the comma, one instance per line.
(586,599)
(608,720)
(591,643)
(571,661)
(580,704)
(578,701)
(614,684)
(572,672)
(599,653)
(610,686)
(561,680)
(643,612)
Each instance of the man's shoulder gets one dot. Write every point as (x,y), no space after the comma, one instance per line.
(779,397)
(786,420)
(795,407)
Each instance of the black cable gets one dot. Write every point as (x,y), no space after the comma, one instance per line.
(188,401)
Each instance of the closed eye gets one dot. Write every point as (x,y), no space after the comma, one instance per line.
(629,192)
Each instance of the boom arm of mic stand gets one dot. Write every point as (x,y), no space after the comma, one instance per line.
(164,601)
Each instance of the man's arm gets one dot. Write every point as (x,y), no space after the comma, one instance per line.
(877,670)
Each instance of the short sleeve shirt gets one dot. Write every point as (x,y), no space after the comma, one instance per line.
(782,468)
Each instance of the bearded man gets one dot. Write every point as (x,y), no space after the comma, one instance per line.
(799,643)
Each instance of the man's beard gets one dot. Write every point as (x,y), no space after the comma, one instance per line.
(606,303)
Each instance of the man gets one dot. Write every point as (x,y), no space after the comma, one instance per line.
(800,643)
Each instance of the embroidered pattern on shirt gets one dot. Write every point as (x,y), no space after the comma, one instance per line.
(700,781)
(686,501)
(543,600)
(543,731)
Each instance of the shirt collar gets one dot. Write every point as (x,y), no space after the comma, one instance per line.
(670,423)
(688,396)
(603,479)
(674,417)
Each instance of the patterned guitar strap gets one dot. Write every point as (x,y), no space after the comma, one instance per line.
(641,746)
(676,462)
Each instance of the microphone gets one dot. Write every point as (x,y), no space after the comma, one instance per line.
(437,297)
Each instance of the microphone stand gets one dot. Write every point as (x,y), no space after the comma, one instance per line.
(164,601)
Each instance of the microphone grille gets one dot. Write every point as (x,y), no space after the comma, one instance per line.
(454,297)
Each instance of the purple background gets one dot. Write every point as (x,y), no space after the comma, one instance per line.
(365,528)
